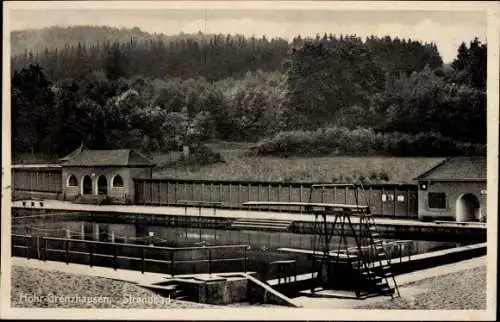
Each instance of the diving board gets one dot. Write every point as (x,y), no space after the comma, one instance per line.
(306,204)
(326,185)
(312,252)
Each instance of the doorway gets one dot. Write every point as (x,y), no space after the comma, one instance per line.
(102,185)
(468,208)
(87,185)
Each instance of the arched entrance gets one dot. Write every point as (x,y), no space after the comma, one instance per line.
(87,185)
(102,185)
(467,208)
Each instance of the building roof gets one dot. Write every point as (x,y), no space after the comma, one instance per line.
(457,169)
(102,158)
(73,154)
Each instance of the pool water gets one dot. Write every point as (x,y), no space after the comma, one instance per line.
(262,247)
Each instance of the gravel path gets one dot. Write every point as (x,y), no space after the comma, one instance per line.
(54,289)
(465,290)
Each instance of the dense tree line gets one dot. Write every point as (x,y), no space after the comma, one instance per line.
(213,57)
(156,95)
(76,51)
(55,117)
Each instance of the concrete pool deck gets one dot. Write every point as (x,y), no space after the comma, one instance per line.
(404,283)
(96,271)
(222,213)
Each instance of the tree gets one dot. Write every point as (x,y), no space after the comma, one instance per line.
(32,109)
(470,65)
(115,63)
(325,77)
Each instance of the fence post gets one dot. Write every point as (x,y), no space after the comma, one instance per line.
(115,257)
(408,203)
(279,189)
(44,248)
(91,245)
(238,199)
(172,263)
(258,194)
(220,192)
(159,193)
(151,187)
(394,202)
(175,190)
(96,232)
(29,248)
(300,197)
(38,247)
(143,192)
(249,190)
(67,251)
(245,260)
(209,261)
(143,254)
(199,221)
(167,193)
(382,201)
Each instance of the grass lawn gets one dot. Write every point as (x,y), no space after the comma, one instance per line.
(239,166)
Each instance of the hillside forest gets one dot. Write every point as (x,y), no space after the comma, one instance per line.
(121,88)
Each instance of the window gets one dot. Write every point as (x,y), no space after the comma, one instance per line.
(437,200)
(387,197)
(117,181)
(401,198)
(72,181)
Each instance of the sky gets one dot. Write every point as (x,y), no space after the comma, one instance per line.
(447,29)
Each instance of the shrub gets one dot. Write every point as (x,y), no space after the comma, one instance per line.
(384,176)
(363,142)
(204,155)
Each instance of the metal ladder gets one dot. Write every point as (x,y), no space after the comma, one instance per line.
(381,275)
(359,258)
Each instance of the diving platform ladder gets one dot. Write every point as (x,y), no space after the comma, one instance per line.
(368,262)
(378,264)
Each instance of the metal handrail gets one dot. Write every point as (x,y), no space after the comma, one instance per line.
(141,258)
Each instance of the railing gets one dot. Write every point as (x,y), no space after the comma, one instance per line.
(396,250)
(390,200)
(116,255)
(200,205)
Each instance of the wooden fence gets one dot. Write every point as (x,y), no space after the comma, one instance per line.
(37,179)
(179,260)
(390,200)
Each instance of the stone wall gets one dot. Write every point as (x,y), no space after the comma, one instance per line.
(124,194)
(453,190)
